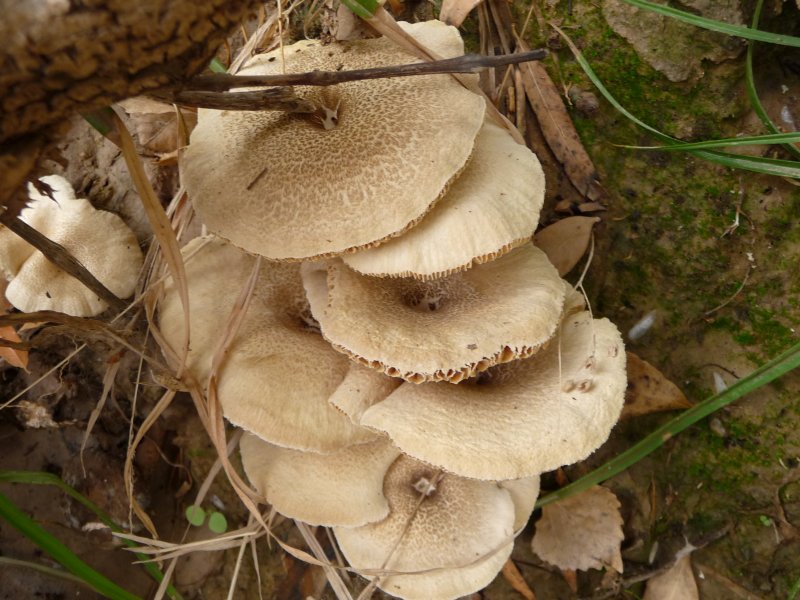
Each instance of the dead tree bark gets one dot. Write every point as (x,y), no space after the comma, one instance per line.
(62,56)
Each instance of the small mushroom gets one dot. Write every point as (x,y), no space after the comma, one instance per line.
(279,372)
(491,208)
(100,240)
(344,488)
(445,536)
(518,419)
(320,185)
(442,330)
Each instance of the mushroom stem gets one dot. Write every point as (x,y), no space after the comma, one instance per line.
(59,256)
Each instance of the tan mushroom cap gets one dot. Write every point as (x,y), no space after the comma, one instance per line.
(492,207)
(280,185)
(344,488)
(279,372)
(462,534)
(446,329)
(100,240)
(518,419)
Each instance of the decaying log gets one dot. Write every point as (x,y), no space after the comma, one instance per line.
(59,57)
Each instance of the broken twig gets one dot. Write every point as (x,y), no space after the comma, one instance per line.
(469,63)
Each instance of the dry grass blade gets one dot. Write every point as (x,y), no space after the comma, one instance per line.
(339,588)
(151,418)
(160,224)
(266,29)
(108,383)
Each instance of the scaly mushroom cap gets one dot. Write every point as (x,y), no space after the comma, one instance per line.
(344,488)
(442,330)
(279,372)
(518,419)
(282,186)
(461,533)
(100,240)
(491,208)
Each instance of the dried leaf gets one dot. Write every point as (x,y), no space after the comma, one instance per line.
(455,11)
(677,583)
(649,391)
(558,129)
(14,357)
(516,581)
(582,532)
(566,241)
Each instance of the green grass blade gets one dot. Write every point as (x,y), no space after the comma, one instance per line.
(42,478)
(719,26)
(794,592)
(60,553)
(216,66)
(769,166)
(363,8)
(749,140)
(750,84)
(765,374)
(44,569)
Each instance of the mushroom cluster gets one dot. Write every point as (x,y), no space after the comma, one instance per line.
(409,363)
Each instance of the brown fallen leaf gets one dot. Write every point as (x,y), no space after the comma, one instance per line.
(649,391)
(455,11)
(516,581)
(14,357)
(582,532)
(558,129)
(566,241)
(156,124)
(676,583)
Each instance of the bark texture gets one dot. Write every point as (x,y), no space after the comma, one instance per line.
(63,56)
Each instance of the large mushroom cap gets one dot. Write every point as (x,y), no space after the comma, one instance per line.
(282,186)
(344,488)
(518,419)
(100,240)
(461,533)
(442,330)
(279,372)
(491,208)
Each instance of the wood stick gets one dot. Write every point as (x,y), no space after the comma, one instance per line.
(469,63)
(60,257)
